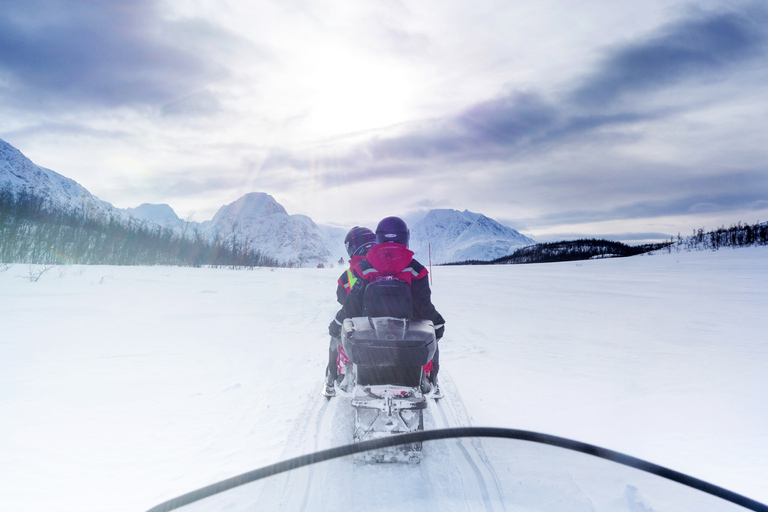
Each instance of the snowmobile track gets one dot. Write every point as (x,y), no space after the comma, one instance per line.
(294,489)
(472,463)
(325,423)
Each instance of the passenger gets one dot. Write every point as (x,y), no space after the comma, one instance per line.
(357,242)
(391,259)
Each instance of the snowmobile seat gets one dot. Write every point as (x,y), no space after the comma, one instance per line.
(388,350)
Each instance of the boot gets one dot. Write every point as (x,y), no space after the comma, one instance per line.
(436,393)
(329,389)
(425,385)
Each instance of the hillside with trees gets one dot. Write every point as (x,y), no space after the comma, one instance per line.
(31,231)
(738,235)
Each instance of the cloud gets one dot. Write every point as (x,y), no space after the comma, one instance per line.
(66,128)
(669,201)
(702,45)
(101,53)
(587,153)
(429,204)
(204,103)
(508,120)
(500,130)
(549,154)
(519,122)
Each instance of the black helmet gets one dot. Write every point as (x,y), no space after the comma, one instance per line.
(359,240)
(393,229)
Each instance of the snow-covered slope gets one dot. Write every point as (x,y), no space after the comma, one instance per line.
(60,193)
(460,236)
(122,387)
(336,236)
(260,222)
(256,218)
(161,214)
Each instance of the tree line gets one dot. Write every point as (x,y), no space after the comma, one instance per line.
(572,250)
(738,235)
(31,231)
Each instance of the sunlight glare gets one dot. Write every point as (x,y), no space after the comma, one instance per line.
(349,93)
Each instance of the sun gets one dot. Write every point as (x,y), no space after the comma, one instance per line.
(346,91)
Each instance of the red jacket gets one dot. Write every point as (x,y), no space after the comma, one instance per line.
(391,259)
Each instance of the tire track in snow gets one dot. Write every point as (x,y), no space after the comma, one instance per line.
(324,423)
(291,490)
(475,461)
(323,430)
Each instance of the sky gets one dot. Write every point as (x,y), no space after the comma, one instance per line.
(629,120)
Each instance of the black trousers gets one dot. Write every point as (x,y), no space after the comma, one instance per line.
(435,364)
(333,356)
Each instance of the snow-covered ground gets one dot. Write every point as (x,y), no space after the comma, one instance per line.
(122,387)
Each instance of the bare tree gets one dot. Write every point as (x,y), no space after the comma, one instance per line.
(35,273)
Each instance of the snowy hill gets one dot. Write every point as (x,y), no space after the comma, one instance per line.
(460,236)
(336,235)
(259,221)
(256,218)
(20,174)
(60,193)
(161,214)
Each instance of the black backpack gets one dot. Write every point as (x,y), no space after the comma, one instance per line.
(388,297)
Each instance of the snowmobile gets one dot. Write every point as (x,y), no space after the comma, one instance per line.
(388,351)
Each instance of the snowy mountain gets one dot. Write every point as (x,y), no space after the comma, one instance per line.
(460,236)
(336,235)
(255,219)
(260,222)
(19,174)
(161,214)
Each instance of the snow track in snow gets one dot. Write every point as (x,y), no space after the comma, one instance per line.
(326,423)
(468,454)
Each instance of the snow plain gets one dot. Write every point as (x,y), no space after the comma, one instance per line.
(122,387)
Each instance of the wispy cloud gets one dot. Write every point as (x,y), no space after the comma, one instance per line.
(522,121)
(56,53)
(664,196)
(703,45)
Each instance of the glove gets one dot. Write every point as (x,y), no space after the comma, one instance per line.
(439,332)
(334,329)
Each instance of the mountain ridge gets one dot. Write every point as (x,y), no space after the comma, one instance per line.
(257,221)
(452,235)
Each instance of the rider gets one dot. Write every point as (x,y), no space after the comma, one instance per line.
(390,258)
(357,242)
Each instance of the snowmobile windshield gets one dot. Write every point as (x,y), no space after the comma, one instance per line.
(467,469)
